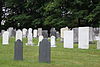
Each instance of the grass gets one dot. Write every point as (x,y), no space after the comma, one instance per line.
(60,57)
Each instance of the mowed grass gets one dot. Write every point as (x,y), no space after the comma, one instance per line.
(60,57)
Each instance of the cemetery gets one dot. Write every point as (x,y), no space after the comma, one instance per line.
(50,33)
(39,49)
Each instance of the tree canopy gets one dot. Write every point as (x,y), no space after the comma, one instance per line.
(51,13)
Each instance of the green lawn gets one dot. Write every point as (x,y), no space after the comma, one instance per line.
(60,57)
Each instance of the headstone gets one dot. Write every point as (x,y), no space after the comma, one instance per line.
(10,29)
(68,39)
(35,33)
(30,37)
(53,41)
(75,31)
(62,33)
(57,34)
(98,41)
(45,33)
(5,38)
(14,32)
(44,51)
(39,32)
(18,50)
(24,31)
(53,32)
(83,38)
(91,35)
(19,35)
(40,39)
(2,31)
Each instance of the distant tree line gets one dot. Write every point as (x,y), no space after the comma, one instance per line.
(50,13)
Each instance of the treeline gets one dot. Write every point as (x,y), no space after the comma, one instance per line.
(50,13)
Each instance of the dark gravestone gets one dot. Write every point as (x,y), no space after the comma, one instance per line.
(18,50)
(44,51)
(45,33)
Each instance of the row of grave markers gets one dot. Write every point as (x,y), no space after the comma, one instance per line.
(68,38)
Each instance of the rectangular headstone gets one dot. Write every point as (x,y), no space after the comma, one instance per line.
(68,39)
(18,50)
(83,38)
(44,51)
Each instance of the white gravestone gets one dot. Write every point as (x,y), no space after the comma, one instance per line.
(24,32)
(53,41)
(35,33)
(68,39)
(5,39)
(30,38)
(83,38)
(40,39)
(19,35)
(98,41)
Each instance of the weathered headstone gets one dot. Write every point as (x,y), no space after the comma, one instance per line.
(35,33)
(19,35)
(45,33)
(98,41)
(53,41)
(5,38)
(68,39)
(24,31)
(10,29)
(62,32)
(14,32)
(44,51)
(83,38)
(30,37)
(18,50)
(40,39)
(39,32)
(53,32)
(57,34)
(75,35)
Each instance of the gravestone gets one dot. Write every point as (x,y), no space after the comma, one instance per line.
(14,32)
(75,31)
(18,34)
(30,37)
(2,31)
(53,42)
(5,38)
(10,29)
(83,37)
(24,31)
(40,39)
(45,33)
(57,34)
(39,32)
(18,50)
(91,35)
(68,39)
(62,33)
(35,33)
(53,32)
(98,41)
(44,51)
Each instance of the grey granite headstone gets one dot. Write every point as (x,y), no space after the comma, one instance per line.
(53,32)
(45,33)
(18,50)
(44,51)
